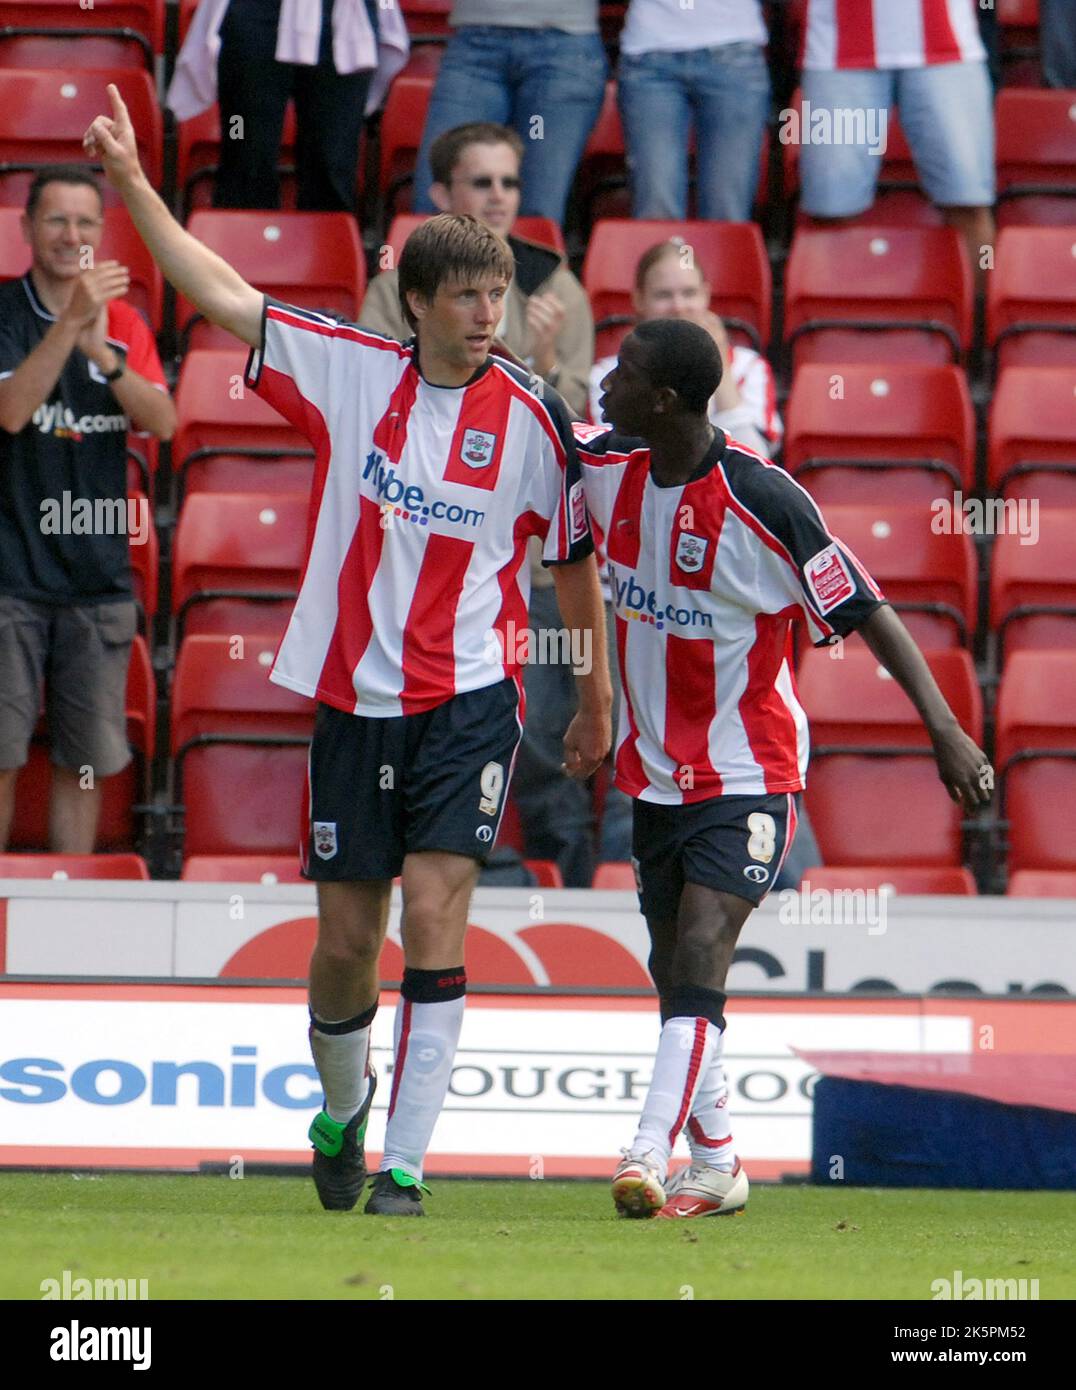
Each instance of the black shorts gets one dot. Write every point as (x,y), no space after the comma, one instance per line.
(379,789)
(734,844)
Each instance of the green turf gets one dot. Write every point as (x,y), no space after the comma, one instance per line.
(263,1237)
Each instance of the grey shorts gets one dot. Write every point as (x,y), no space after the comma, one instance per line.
(81,655)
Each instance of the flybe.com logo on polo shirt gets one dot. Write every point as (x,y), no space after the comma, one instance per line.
(62,422)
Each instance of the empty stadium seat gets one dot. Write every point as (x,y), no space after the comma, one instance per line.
(1032,448)
(855,703)
(900,432)
(427,20)
(239,744)
(613,877)
(98,34)
(101,866)
(236,561)
(1042,883)
(402,122)
(931,578)
(891,811)
(242,868)
(198,158)
(541,229)
(1033,586)
(44,115)
(946,879)
(1018,22)
(121,794)
(313,259)
(1031,298)
(1036,157)
(872,294)
(731,255)
(227,438)
(1036,758)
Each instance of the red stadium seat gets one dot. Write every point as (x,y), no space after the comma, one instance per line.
(99,34)
(242,868)
(614,878)
(871,294)
(102,866)
(1031,298)
(198,159)
(1036,709)
(402,122)
(236,561)
(228,439)
(855,703)
(145,557)
(1042,883)
(882,811)
(121,793)
(541,229)
(930,578)
(1033,587)
(1036,757)
(313,259)
(867,433)
(240,744)
(731,254)
(1032,450)
(546,872)
(1019,42)
(44,115)
(427,19)
(1036,157)
(946,879)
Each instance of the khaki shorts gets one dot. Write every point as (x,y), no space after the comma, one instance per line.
(81,655)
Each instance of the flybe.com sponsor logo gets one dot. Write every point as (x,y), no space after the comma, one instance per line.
(408,501)
(62,421)
(642,606)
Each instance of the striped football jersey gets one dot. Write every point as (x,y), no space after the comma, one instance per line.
(707,578)
(422,504)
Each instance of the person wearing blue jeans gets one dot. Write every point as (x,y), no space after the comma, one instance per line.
(703,66)
(539,68)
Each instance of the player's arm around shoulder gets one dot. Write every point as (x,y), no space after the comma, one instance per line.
(210,283)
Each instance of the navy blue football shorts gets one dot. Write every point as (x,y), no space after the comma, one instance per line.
(733,844)
(380,789)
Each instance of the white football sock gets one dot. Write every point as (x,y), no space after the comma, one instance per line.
(685,1052)
(709,1127)
(342,1060)
(425,1043)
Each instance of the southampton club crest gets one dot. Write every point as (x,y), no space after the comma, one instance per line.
(325,838)
(477,448)
(690,552)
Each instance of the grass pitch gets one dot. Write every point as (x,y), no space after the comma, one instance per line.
(266,1237)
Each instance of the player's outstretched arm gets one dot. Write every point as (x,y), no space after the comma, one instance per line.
(962,764)
(218,291)
(589,735)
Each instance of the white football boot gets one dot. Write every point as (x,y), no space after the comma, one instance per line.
(638,1189)
(701,1191)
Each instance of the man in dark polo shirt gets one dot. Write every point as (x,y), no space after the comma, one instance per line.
(78,368)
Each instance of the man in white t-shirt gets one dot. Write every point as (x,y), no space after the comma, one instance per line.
(435,462)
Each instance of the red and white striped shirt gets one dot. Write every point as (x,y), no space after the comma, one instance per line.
(707,578)
(423,500)
(890,33)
